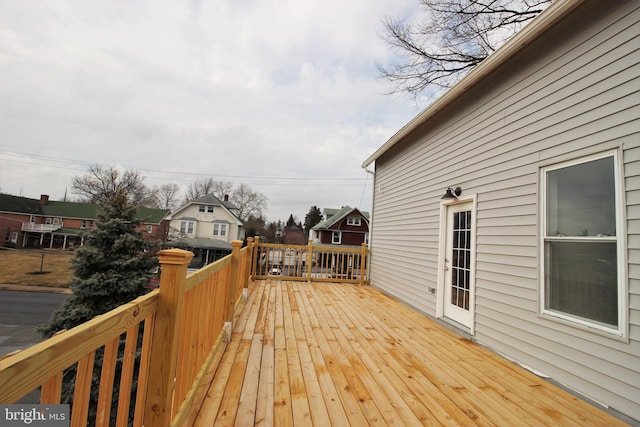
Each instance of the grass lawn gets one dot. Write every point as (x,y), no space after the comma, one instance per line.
(23,267)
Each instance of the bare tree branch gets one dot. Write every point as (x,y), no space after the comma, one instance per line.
(101,183)
(454,37)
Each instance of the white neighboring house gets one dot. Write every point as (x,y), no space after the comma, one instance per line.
(206,226)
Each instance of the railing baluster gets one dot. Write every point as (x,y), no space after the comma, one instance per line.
(51,391)
(143,372)
(106,382)
(82,392)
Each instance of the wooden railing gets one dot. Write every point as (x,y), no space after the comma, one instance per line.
(312,263)
(182,325)
(162,345)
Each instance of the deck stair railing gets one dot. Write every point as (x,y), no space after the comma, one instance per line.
(166,341)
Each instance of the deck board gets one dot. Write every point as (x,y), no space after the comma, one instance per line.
(339,354)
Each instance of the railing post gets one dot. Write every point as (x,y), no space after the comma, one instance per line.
(254,261)
(166,334)
(233,285)
(247,268)
(363,258)
(309,260)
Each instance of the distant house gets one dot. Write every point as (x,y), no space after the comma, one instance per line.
(509,209)
(206,226)
(43,223)
(294,235)
(346,227)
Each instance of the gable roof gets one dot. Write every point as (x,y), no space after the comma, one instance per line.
(24,205)
(547,19)
(210,199)
(338,215)
(71,209)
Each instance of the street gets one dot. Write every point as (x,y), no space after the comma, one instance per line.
(20,313)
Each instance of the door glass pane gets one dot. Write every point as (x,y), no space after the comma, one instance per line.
(581,199)
(461,259)
(581,279)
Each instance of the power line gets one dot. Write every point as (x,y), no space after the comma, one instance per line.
(38,159)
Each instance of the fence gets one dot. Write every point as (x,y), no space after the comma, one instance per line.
(312,263)
(174,332)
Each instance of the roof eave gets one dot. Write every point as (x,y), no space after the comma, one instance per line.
(552,14)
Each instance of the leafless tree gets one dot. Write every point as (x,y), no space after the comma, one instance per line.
(167,196)
(222,188)
(454,37)
(248,201)
(198,189)
(101,183)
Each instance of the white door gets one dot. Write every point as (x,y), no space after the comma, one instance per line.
(458,264)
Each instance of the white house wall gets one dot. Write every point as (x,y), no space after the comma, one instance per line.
(205,221)
(574,92)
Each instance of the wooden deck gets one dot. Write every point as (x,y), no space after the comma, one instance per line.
(336,354)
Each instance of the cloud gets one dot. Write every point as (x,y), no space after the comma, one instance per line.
(238,90)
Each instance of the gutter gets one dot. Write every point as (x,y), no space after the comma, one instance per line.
(548,18)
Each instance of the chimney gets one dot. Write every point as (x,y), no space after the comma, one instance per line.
(44,199)
(226,197)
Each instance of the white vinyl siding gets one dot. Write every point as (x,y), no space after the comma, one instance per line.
(569,95)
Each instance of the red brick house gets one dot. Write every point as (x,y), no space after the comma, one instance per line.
(346,227)
(33,223)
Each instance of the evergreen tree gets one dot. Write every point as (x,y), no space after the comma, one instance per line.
(109,270)
(313,217)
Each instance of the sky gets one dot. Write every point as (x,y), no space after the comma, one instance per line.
(281,95)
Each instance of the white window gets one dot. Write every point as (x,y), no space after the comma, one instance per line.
(186,227)
(582,248)
(206,208)
(47,221)
(56,221)
(14,237)
(353,220)
(336,237)
(149,228)
(220,230)
(83,224)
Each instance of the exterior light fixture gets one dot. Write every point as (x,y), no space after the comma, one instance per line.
(452,193)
